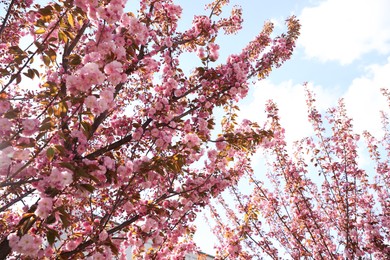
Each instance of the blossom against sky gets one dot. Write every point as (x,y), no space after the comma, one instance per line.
(343,52)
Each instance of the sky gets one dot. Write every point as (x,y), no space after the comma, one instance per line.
(343,52)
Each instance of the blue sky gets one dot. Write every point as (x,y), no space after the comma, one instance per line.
(343,52)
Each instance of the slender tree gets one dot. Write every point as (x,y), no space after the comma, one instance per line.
(317,202)
(109,144)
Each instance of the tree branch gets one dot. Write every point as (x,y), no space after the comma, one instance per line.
(6,17)
(115,145)
(5,249)
(14,76)
(16,200)
(69,254)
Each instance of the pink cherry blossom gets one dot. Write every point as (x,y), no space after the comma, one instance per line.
(113,67)
(45,206)
(213,51)
(30,126)
(220,143)
(28,245)
(60,179)
(4,106)
(103,235)
(113,144)
(5,125)
(192,140)
(91,102)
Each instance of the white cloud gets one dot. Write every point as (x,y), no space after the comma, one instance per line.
(291,101)
(364,100)
(344,30)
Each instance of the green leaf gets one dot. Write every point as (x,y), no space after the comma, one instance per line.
(46,126)
(30,73)
(50,219)
(70,19)
(86,127)
(64,216)
(36,72)
(87,187)
(18,78)
(15,50)
(60,149)
(51,54)
(48,10)
(40,31)
(4,72)
(68,166)
(51,236)
(74,59)
(62,36)
(61,109)
(46,60)
(82,173)
(50,153)
(65,220)
(11,114)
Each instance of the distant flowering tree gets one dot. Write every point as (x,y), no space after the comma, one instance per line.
(110,145)
(316,201)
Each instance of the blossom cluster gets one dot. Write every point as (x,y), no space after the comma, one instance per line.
(113,145)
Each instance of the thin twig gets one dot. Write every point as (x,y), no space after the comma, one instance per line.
(6,17)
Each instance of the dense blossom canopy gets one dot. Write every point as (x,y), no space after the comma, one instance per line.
(110,144)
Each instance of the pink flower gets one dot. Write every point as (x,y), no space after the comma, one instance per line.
(72,244)
(113,67)
(5,161)
(60,179)
(201,53)
(160,143)
(103,235)
(28,244)
(85,77)
(5,124)
(4,106)
(13,240)
(109,163)
(107,95)
(90,102)
(213,51)
(112,12)
(157,240)
(30,126)
(220,143)
(45,206)
(192,140)
(149,225)
(139,30)
(97,256)
(48,252)
(91,73)
(103,105)
(21,155)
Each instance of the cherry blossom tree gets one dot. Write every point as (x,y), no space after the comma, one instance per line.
(317,202)
(110,144)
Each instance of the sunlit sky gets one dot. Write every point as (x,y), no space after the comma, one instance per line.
(343,52)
